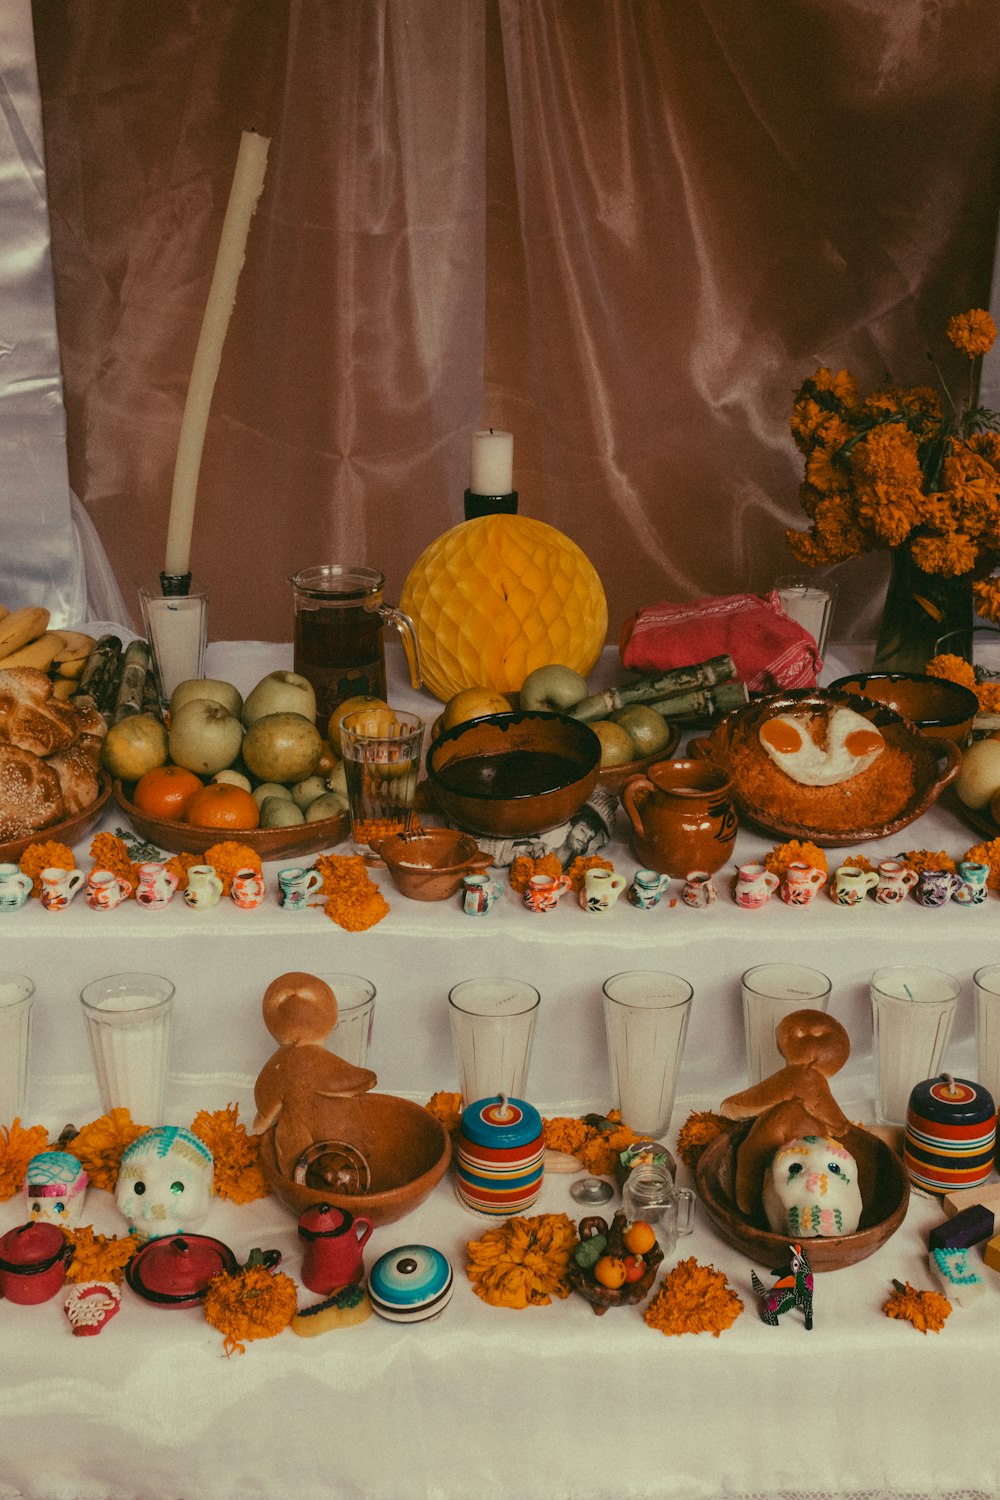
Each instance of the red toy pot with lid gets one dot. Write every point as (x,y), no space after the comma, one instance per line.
(32,1262)
(175,1271)
(334,1239)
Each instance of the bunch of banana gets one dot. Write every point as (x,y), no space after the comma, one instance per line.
(26,641)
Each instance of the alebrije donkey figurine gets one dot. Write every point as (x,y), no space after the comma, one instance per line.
(795,1289)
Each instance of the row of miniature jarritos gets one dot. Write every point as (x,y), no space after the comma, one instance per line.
(155,886)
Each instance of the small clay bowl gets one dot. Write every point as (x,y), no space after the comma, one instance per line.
(942,710)
(430,866)
(406,1148)
(513,775)
(885,1193)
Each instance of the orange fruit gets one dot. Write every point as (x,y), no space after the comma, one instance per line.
(611,1271)
(222,805)
(165,792)
(639,1237)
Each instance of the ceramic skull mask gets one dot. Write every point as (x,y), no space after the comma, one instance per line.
(165,1183)
(811,1189)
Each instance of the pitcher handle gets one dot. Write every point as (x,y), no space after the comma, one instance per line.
(404,625)
(632,802)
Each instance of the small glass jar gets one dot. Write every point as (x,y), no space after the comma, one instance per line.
(649,1194)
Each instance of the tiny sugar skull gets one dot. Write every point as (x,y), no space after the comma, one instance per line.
(811,1189)
(165,1183)
(55,1186)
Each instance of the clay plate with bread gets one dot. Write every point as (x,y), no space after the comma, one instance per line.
(897,789)
(270,843)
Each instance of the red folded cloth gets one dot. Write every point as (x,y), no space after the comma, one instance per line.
(770,650)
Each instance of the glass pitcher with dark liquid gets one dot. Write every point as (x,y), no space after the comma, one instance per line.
(339,623)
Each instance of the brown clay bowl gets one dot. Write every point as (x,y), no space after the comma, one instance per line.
(734,746)
(270,843)
(69,831)
(406,1148)
(885,1193)
(512,775)
(943,710)
(430,865)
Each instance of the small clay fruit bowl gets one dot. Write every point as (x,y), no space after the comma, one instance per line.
(405,1150)
(940,709)
(602,1297)
(430,865)
(885,1193)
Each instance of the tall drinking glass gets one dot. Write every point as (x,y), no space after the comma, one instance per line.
(129,1018)
(381,752)
(913,1009)
(352,1035)
(771,992)
(16,996)
(987,982)
(646,1016)
(492,1028)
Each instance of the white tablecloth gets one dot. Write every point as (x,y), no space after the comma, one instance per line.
(550,1402)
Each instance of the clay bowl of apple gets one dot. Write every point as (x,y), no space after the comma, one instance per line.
(430,865)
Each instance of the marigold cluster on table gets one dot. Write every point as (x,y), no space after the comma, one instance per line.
(253,1303)
(353,901)
(794,852)
(229,856)
(18,1144)
(180,864)
(577,871)
(523,1262)
(235,1154)
(699,1130)
(956,669)
(98,1147)
(526,865)
(693,1299)
(597,1149)
(927,859)
(39,857)
(859,862)
(927,1311)
(98,1257)
(446,1107)
(109,852)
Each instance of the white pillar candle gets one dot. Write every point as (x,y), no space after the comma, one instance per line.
(248,181)
(492,465)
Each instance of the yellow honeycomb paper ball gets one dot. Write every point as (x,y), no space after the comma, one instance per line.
(494,598)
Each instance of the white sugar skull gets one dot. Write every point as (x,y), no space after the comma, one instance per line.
(165,1182)
(55,1186)
(811,1189)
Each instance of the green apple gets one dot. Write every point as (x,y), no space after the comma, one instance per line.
(280,693)
(554,688)
(204,736)
(207,687)
(647,729)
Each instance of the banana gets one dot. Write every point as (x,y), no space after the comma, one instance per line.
(63,688)
(70,669)
(21,628)
(75,644)
(38,653)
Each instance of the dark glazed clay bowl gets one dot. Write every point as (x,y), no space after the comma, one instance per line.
(430,866)
(512,775)
(940,709)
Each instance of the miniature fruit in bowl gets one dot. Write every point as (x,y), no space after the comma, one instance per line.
(638,1238)
(204,736)
(134,746)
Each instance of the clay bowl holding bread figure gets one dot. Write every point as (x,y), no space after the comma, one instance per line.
(792,1166)
(831,768)
(431,865)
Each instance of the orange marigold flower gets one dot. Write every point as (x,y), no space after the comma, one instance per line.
(699,1130)
(693,1299)
(928,859)
(972,332)
(795,852)
(988,694)
(235,1154)
(98,1146)
(950,556)
(179,864)
(98,1257)
(842,384)
(578,869)
(952,668)
(523,1262)
(986,593)
(524,867)
(229,856)
(109,852)
(822,471)
(18,1144)
(253,1303)
(987,853)
(446,1107)
(39,857)
(565,1133)
(927,1311)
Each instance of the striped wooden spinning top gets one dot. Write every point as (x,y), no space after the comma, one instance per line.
(501,1151)
(950,1134)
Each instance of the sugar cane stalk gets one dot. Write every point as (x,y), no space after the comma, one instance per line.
(128,699)
(651,689)
(99,679)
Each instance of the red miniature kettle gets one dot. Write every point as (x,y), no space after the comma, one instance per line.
(334,1240)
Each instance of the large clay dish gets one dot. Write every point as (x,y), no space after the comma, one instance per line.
(885,1193)
(407,1149)
(69,831)
(270,843)
(938,762)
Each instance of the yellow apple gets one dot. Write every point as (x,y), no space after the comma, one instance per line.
(473,703)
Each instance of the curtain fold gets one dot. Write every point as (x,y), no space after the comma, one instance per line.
(625,231)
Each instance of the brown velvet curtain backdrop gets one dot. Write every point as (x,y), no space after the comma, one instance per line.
(626,231)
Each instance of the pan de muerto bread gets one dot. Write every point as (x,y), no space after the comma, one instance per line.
(30,718)
(30,795)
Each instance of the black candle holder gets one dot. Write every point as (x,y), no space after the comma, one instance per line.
(490,505)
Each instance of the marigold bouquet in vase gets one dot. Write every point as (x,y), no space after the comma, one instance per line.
(899,470)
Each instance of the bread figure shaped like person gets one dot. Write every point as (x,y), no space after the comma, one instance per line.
(299,1011)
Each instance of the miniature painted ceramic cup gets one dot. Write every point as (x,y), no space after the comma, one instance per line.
(647,888)
(601,889)
(543,891)
(333,1239)
(936,887)
(755,886)
(699,889)
(204,887)
(155,885)
(479,892)
(801,883)
(59,887)
(972,888)
(851,885)
(895,881)
(248,887)
(296,885)
(15,887)
(106,890)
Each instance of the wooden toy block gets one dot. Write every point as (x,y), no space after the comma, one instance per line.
(988,1194)
(973,1225)
(991,1255)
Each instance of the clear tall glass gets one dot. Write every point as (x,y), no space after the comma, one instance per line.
(771,992)
(177,631)
(987,982)
(646,1015)
(913,1009)
(492,1028)
(16,995)
(129,1019)
(352,1035)
(809,602)
(382,752)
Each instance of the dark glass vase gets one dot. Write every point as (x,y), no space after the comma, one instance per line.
(919,609)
